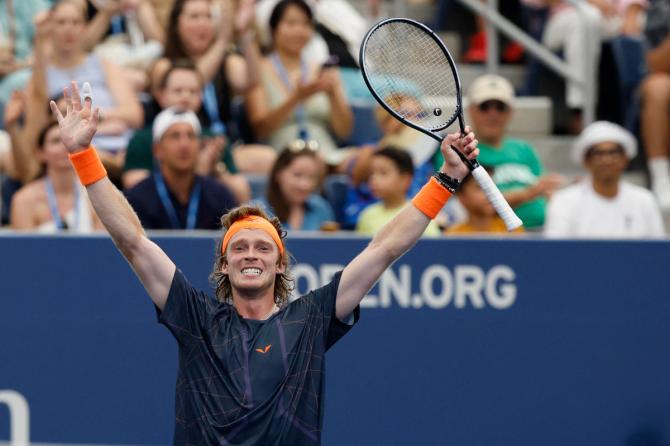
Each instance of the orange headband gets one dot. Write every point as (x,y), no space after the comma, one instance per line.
(252,222)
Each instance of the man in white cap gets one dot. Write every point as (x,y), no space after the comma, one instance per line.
(174,197)
(602,205)
(518,171)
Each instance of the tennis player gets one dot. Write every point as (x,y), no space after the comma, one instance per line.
(251,364)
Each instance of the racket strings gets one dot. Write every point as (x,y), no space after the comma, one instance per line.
(410,72)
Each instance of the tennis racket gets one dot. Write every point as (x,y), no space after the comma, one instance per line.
(410,72)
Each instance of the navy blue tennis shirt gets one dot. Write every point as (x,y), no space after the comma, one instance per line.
(250,382)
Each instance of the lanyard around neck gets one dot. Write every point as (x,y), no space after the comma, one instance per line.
(283,75)
(193,202)
(53,206)
(211,104)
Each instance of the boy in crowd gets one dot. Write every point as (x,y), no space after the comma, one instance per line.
(392,171)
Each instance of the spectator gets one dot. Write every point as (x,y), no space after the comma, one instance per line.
(127,32)
(577,31)
(602,204)
(481,217)
(655,112)
(518,171)
(201,31)
(339,26)
(390,180)
(174,196)
(291,195)
(67,61)
(297,98)
(17,32)
(182,87)
(56,202)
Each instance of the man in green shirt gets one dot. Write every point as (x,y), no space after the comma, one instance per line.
(518,171)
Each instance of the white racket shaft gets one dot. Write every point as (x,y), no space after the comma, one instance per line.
(496,198)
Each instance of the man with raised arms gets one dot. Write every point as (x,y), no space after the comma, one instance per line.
(251,364)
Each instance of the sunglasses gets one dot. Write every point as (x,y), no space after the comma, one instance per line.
(498,106)
(299,145)
(598,153)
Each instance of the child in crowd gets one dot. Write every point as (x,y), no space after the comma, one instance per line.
(292,194)
(390,179)
(481,217)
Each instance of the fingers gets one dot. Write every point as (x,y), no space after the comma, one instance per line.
(56,111)
(76,97)
(68,103)
(95,119)
(87,91)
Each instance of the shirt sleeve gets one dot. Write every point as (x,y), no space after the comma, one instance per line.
(322,302)
(187,310)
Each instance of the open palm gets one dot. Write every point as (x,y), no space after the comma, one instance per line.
(79,124)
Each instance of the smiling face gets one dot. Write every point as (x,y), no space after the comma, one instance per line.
(299,179)
(195,26)
(293,31)
(252,264)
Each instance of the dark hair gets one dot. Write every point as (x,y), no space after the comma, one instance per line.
(468,178)
(174,47)
(275,197)
(180,64)
(282,6)
(400,158)
(284,282)
(42,136)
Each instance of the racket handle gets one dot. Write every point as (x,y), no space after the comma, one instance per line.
(496,198)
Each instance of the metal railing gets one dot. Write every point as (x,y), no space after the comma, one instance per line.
(495,22)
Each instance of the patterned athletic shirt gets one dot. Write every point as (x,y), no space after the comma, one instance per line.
(249,382)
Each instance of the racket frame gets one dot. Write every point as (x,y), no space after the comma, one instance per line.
(492,192)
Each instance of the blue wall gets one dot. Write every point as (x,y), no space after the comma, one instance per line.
(465,342)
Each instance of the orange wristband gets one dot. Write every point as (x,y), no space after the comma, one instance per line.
(431,198)
(88,166)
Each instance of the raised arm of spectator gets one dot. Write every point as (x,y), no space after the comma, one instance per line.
(148,20)
(398,235)
(97,27)
(210,63)
(30,105)
(151,265)
(242,72)
(658,58)
(128,108)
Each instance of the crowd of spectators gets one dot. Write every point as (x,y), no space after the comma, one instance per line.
(207,104)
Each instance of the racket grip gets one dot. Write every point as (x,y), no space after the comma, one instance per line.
(496,198)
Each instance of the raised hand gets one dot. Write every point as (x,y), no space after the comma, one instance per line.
(245,15)
(14,108)
(79,124)
(467,145)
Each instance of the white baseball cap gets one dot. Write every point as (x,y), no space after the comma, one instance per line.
(170,116)
(600,132)
(491,87)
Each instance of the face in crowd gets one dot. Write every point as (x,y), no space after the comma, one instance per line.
(490,119)
(292,27)
(177,150)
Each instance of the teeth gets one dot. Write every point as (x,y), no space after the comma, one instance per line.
(251,271)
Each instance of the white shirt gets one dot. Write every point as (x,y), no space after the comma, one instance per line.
(579,212)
